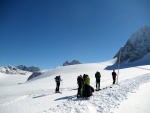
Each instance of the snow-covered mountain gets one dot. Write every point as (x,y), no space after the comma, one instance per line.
(12,70)
(136,47)
(30,69)
(21,70)
(71,63)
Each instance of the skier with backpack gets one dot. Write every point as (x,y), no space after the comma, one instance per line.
(80,83)
(98,77)
(86,90)
(57,80)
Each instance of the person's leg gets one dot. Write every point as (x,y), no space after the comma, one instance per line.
(99,84)
(58,84)
(78,89)
(80,86)
(96,85)
(56,87)
(113,80)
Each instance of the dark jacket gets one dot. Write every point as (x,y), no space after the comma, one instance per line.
(97,75)
(114,74)
(80,80)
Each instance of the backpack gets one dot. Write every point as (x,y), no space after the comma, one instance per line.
(57,79)
(87,80)
(97,75)
(86,90)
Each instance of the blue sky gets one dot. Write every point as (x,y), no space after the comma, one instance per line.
(46,33)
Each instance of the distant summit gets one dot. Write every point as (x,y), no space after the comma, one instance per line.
(21,70)
(30,69)
(136,47)
(71,63)
(12,70)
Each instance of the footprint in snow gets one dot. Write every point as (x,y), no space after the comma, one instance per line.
(91,108)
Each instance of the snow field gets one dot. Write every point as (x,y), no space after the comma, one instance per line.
(104,101)
(37,95)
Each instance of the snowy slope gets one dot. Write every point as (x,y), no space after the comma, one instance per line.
(135,101)
(37,95)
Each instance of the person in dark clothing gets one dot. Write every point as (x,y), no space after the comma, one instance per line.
(57,80)
(114,76)
(80,83)
(97,76)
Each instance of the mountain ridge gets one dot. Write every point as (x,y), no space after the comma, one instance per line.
(12,70)
(137,46)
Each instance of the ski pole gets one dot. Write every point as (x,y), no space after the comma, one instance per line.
(62,85)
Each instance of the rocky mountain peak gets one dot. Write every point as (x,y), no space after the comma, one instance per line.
(71,63)
(136,47)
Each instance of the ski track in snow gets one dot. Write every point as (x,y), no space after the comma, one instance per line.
(103,101)
(32,94)
(27,95)
(15,100)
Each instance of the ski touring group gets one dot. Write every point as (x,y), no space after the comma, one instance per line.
(85,90)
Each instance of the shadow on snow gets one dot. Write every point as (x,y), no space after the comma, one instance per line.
(128,65)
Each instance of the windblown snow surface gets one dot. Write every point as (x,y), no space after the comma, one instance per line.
(37,95)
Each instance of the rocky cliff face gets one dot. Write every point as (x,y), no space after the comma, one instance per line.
(30,69)
(21,69)
(136,47)
(12,70)
(71,63)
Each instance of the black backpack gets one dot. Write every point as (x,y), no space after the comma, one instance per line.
(87,90)
(57,79)
(97,75)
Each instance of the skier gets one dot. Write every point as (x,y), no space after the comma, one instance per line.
(114,76)
(80,83)
(57,80)
(86,90)
(97,76)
